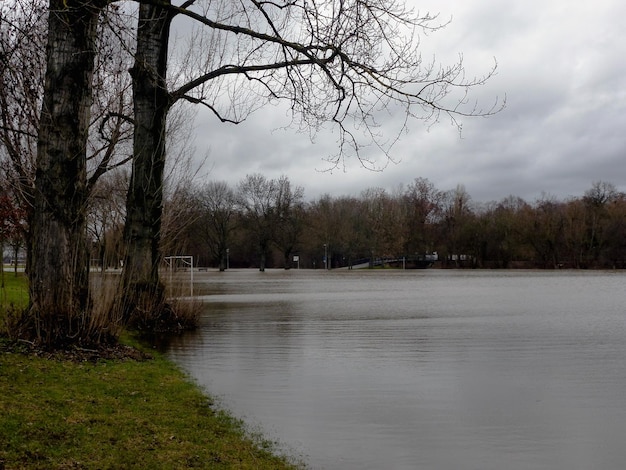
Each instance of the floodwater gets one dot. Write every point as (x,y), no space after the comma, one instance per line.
(421,369)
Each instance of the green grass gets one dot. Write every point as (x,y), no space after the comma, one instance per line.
(57,414)
(114,414)
(13,290)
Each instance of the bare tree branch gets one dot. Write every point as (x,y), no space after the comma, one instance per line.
(336,61)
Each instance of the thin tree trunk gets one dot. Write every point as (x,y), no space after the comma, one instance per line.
(142,290)
(16,252)
(1,265)
(263,248)
(58,273)
(222,257)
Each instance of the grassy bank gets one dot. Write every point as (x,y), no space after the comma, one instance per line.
(57,413)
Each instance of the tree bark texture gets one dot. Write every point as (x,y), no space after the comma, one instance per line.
(58,274)
(142,290)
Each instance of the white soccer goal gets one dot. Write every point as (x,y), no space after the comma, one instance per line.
(178,263)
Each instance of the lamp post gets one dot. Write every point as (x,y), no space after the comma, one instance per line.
(325,257)
(227,258)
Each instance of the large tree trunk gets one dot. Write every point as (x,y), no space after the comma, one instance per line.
(58,273)
(142,290)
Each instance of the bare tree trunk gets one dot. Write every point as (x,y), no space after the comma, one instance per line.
(58,274)
(263,258)
(223,257)
(287,258)
(16,252)
(142,289)
(1,264)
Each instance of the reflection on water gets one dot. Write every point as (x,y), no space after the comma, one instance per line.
(420,369)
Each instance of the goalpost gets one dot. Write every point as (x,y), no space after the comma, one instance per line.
(177,262)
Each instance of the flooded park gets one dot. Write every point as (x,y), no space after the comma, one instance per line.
(419,369)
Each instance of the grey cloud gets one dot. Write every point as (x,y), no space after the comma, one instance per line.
(561,65)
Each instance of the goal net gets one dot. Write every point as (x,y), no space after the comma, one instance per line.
(180,264)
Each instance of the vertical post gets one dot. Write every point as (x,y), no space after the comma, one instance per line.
(191,289)
(168,260)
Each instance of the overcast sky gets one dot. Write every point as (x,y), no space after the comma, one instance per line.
(562,67)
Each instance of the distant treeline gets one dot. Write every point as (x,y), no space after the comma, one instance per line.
(267,223)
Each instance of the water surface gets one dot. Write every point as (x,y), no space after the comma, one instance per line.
(423,369)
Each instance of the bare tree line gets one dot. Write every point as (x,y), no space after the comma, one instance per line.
(265,222)
(71,114)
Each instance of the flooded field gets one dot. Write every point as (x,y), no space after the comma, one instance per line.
(423,369)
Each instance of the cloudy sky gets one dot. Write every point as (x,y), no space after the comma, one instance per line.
(562,68)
